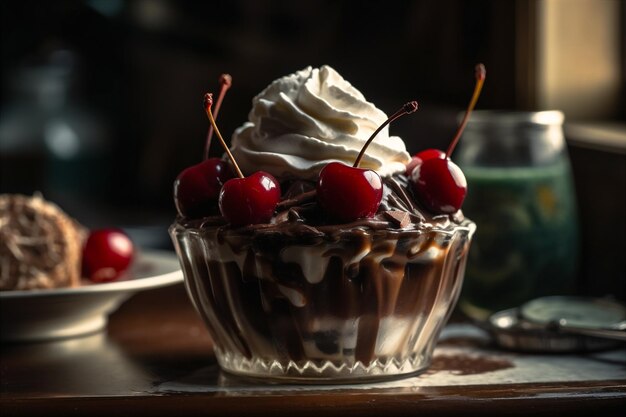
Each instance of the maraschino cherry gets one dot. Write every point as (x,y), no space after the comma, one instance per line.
(438,183)
(245,200)
(106,255)
(349,193)
(197,188)
(421,156)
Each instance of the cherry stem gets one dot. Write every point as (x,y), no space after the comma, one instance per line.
(408,108)
(208,102)
(480,73)
(225,82)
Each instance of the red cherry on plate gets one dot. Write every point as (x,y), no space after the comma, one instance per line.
(347,193)
(422,156)
(106,255)
(249,200)
(197,188)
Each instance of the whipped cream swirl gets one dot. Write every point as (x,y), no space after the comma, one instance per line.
(305,120)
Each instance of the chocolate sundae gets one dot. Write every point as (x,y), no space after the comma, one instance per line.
(318,249)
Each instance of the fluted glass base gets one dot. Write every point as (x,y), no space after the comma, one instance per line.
(325,371)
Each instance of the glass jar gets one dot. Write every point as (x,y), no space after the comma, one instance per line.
(521,197)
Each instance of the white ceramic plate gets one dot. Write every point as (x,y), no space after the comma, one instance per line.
(67,312)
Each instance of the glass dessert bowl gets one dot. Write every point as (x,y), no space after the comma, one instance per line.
(348,275)
(353,304)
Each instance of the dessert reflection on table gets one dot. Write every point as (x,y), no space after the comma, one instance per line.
(64,367)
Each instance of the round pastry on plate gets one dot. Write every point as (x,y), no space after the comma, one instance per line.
(40,245)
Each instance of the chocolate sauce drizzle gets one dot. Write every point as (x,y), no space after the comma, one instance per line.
(298,213)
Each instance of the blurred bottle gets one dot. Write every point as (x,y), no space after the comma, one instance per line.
(521,196)
(49,140)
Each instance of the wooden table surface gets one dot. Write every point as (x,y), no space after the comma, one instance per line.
(155,358)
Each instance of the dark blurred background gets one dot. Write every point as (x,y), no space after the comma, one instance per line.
(101,99)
